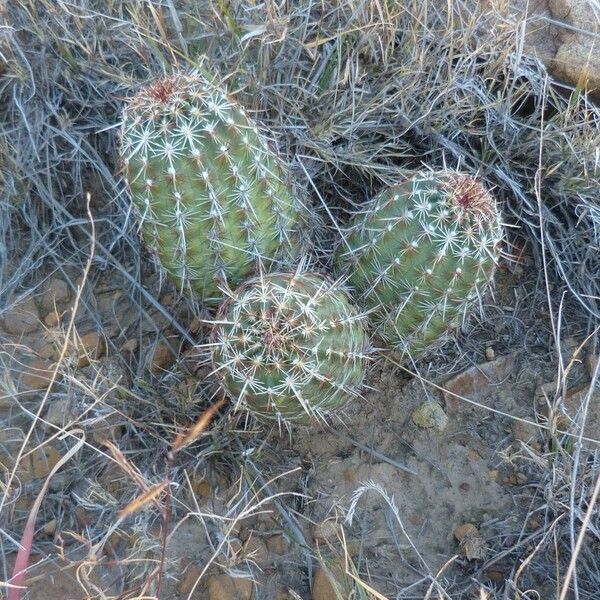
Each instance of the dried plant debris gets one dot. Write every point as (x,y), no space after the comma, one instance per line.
(346,90)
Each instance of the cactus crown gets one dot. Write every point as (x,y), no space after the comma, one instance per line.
(289,346)
(421,253)
(212,196)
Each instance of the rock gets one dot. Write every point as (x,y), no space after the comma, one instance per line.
(515,479)
(324,586)
(224,587)
(188,581)
(471,543)
(130,346)
(591,363)
(21,318)
(59,413)
(525,432)
(256,551)
(326,530)
(220,587)
(546,391)
(496,575)
(167,299)
(55,292)
(38,464)
(430,415)
(43,460)
(489,353)
(473,455)
(37,374)
(87,347)
(163,357)
(278,544)
(90,347)
(52,319)
(244,587)
(578,57)
(476,381)
(50,527)
(462,530)
(574,405)
(201,488)
(576,62)
(579,13)
(46,349)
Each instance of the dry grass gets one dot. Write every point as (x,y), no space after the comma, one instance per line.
(354,92)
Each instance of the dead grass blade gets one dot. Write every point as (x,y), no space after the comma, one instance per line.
(184,439)
(130,469)
(148,496)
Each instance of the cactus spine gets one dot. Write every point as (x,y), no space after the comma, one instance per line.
(420,254)
(289,347)
(211,195)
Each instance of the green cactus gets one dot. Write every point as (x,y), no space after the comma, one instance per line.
(420,254)
(289,346)
(211,195)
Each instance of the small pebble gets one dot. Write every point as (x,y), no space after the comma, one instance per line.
(256,551)
(50,527)
(22,317)
(188,580)
(55,292)
(430,415)
(278,544)
(38,374)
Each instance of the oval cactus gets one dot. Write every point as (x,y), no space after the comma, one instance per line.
(420,253)
(289,346)
(212,197)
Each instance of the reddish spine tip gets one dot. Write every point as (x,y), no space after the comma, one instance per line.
(464,201)
(162,90)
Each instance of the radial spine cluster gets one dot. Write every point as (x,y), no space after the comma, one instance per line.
(420,254)
(289,346)
(212,197)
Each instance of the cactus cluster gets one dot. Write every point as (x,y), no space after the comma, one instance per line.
(289,346)
(420,253)
(216,207)
(213,198)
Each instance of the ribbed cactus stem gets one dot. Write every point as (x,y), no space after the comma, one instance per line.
(420,254)
(290,347)
(213,198)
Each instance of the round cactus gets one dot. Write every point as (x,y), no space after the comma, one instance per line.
(212,197)
(289,346)
(420,253)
